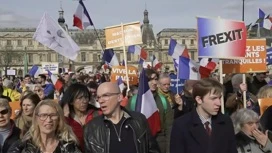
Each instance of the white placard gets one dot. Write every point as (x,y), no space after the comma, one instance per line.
(11,72)
(53,67)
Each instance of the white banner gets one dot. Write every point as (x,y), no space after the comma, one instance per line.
(53,67)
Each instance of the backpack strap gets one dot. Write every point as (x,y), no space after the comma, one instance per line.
(133,102)
(164,102)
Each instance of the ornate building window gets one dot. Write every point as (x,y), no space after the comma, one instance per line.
(95,57)
(8,42)
(30,43)
(83,56)
(49,57)
(129,57)
(192,41)
(118,56)
(19,43)
(183,41)
(30,58)
(165,42)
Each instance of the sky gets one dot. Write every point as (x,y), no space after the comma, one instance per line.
(104,13)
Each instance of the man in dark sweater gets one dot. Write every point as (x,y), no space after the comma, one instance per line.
(117,130)
(258,82)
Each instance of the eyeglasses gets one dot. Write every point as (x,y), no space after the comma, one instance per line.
(43,117)
(106,96)
(4,112)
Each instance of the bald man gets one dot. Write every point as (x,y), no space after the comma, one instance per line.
(117,130)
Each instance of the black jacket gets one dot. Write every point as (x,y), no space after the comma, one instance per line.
(189,135)
(28,147)
(97,134)
(13,137)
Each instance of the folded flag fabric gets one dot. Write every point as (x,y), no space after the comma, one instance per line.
(82,18)
(210,63)
(110,57)
(175,50)
(136,49)
(56,82)
(190,70)
(35,71)
(146,105)
(156,63)
(120,84)
(52,35)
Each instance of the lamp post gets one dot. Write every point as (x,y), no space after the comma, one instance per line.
(243,11)
(25,62)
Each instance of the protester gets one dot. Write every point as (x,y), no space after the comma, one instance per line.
(186,104)
(24,118)
(48,88)
(8,131)
(204,129)
(48,133)
(77,97)
(165,111)
(258,82)
(235,101)
(118,130)
(9,92)
(38,89)
(266,120)
(249,137)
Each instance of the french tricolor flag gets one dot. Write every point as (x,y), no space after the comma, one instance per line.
(146,104)
(210,63)
(190,70)
(82,18)
(156,63)
(136,49)
(35,71)
(120,83)
(175,50)
(110,57)
(56,82)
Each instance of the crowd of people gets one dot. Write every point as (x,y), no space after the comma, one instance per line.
(93,115)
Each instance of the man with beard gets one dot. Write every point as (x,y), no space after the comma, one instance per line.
(47,87)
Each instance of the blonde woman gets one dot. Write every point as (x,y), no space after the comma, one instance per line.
(49,133)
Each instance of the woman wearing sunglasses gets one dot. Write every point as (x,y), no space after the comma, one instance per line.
(24,119)
(8,131)
(48,133)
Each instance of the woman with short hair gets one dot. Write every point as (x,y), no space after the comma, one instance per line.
(48,133)
(249,136)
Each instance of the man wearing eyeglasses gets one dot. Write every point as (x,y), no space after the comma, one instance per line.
(117,130)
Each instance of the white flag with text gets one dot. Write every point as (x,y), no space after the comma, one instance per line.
(52,35)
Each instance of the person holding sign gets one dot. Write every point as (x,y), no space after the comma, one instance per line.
(258,82)
(235,100)
(205,129)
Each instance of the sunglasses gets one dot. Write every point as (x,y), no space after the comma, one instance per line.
(4,112)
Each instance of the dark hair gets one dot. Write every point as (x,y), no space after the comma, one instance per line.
(27,75)
(92,85)
(42,76)
(35,99)
(73,92)
(205,86)
(149,73)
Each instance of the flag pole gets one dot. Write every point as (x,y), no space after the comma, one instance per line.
(221,81)
(125,56)
(177,79)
